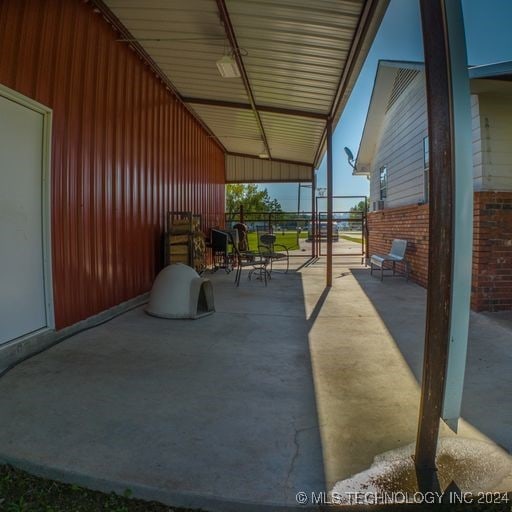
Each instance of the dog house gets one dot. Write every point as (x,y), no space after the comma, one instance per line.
(179,292)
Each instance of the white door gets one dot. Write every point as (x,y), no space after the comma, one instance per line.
(22,280)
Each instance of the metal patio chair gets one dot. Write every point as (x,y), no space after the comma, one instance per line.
(247,259)
(395,255)
(267,247)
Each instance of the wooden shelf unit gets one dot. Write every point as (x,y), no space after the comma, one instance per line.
(184,240)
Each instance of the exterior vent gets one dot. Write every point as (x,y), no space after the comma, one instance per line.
(380,205)
(402,80)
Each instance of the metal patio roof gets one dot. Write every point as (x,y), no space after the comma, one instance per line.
(299,60)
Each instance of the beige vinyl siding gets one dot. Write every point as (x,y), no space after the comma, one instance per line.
(477,142)
(496,144)
(400,148)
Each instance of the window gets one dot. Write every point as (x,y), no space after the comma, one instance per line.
(383,176)
(426,165)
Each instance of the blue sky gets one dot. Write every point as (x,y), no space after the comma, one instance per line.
(488,37)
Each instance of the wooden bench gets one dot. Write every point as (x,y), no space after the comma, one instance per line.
(396,255)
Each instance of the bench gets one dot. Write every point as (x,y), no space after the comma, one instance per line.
(396,255)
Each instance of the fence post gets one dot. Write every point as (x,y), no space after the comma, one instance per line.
(328,277)
(366,233)
(313,213)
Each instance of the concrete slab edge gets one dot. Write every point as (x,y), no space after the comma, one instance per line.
(204,503)
(14,352)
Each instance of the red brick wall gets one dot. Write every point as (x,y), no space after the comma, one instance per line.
(492,245)
(492,252)
(407,222)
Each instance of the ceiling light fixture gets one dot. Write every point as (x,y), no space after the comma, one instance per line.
(263,155)
(228,67)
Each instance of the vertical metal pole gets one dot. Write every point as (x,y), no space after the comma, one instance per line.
(441,216)
(463,216)
(317,229)
(313,213)
(298,201)
(317,249)
(365,233)
(329,203)
(241,214)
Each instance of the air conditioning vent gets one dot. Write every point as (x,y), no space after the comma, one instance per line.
(380,205)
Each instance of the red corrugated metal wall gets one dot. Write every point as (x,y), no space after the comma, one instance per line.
(124,151)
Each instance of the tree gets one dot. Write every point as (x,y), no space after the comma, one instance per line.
(254,199)
(356,213)
(274,205)
(359,207)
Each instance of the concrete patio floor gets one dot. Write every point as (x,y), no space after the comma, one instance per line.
(284,389)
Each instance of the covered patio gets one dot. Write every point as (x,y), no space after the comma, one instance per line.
(286,388)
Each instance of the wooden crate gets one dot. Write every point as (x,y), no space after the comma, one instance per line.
(184,240)
(181,249)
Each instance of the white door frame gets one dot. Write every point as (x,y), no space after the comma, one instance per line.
(45,200)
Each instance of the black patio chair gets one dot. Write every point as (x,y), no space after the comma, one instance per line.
(268,248)
(247,259)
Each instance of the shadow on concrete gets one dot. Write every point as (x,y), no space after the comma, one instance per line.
(317,308)
(487,399)
(217,413)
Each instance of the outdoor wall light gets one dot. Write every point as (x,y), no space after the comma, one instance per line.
(227,66)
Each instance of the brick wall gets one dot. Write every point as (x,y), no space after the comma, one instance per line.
(492,252)
(407,222)
(492,246)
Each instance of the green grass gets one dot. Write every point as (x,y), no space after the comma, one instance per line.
(288,239)
(355,239)
(22,492)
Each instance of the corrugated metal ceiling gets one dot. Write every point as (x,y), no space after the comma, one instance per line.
(235,128)
(289,40)
(294,53)
(292,135)
(185,39)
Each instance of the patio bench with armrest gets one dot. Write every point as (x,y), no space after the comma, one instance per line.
(395,255)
